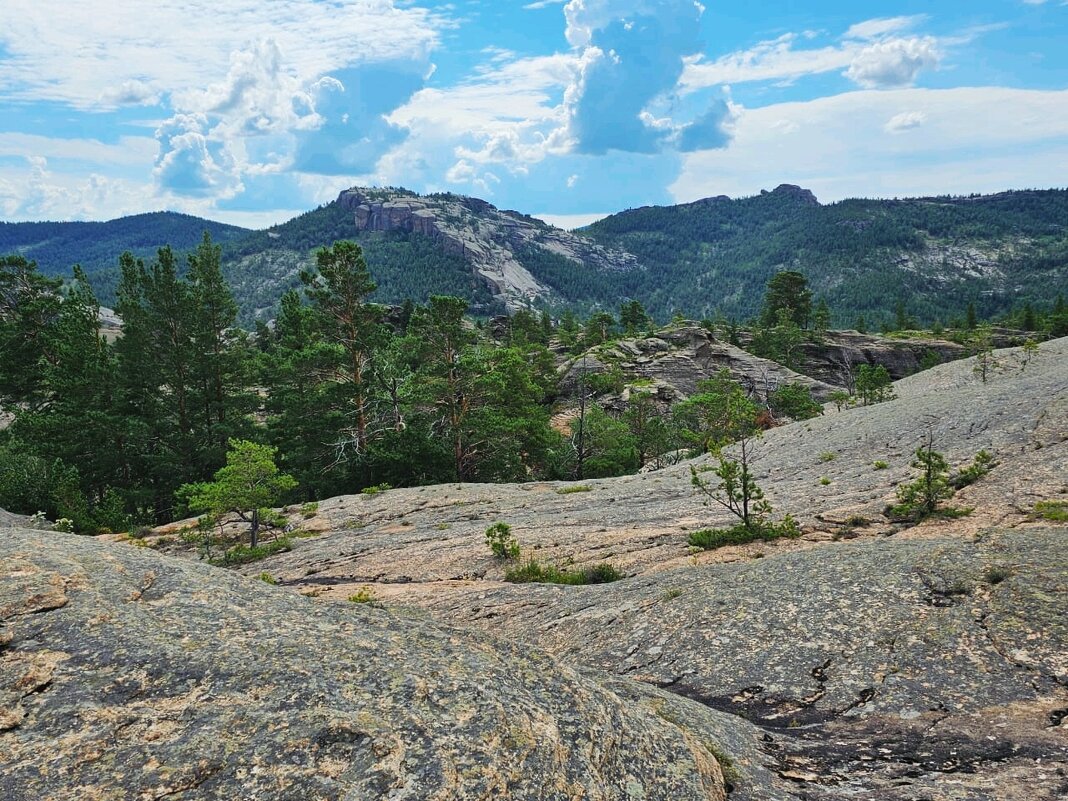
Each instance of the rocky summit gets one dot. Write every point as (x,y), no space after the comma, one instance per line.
(490,240)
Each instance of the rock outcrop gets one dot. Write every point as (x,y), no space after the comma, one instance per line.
(491,240)
(670,363)
(127,675)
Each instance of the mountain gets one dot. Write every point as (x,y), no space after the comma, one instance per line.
(417,246)
(713,256)
(936,254)
(96,246)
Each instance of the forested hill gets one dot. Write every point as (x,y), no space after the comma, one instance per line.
(96,246)
(714,256)
(937,254)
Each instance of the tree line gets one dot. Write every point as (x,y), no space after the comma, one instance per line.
(350,394)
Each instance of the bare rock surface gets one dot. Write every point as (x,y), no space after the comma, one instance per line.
(868,663)
(124,674)
(927,663)
(414,542)
(489,239)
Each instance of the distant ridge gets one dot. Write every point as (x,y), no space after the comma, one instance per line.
(713,256)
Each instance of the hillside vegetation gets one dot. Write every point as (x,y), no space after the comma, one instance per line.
(704,259)
(861,256)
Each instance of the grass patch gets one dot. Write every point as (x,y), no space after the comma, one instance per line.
(243,554)
(708,539)
(880,465)
(574,489)
(267,578)
(310,509)
(1052,510)
(364,595)
(824,481)
(377,488)
(731,777)
(672,594)
(828,456)
(534,573)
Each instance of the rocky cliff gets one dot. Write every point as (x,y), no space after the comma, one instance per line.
(489,239)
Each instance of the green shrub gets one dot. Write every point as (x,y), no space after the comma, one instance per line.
(920,498)
(880,465)
(534,573)
(267,578)
(824,481)
(709,539)
(243,554)
(983,464)
(995,574)
(500,540)
(377,488)
(1052,510)
(309,509)
(794,401)
(828,456)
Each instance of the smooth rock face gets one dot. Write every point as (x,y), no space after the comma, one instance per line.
(420,541)
(127,675)
(904,645)
(485,236)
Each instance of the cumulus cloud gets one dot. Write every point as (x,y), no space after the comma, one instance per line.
(193,163)
(905,121)
(632,55)
(34,192)
(894,63)
(263,118)
(465,173)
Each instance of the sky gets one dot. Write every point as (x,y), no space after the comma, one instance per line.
(252,111)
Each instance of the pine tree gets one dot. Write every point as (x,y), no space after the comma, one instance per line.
(29,305)
(338,291)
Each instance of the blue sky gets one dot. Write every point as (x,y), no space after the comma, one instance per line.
(251,111)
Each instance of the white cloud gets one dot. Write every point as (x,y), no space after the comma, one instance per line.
(35,192)
(893,63)
(192,163)
(465,173)
(89,49)
(128,151)
(840,146)
(905,121)
(132,92)
(868,53)
(878,28)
